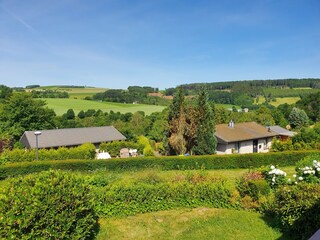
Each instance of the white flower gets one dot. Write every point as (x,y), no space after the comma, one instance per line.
(318,169)
(272,167)
(295,183)
(294,175)
(315,161)
(289,179)
(273,179)
(300,178)
(313,172)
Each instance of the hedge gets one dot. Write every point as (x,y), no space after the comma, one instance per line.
(165,163)
(49,205)
(124,200)
(84,151)
(297,207)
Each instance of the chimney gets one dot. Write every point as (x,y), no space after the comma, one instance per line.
(231,124)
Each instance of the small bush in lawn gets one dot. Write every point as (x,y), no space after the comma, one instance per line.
(49,205)
(253,184)
(275,176)
(308,170)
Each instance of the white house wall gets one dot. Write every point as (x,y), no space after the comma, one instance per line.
(264,145)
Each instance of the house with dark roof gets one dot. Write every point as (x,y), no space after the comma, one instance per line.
(71,137)
(247,137)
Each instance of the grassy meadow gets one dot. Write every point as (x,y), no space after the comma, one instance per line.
(61,105)
(279,100)
(77,93)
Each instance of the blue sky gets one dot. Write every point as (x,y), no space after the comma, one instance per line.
(159,43)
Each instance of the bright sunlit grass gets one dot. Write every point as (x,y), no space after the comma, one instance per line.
(199,223)
(61,106)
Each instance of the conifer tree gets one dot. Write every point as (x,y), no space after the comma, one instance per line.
(176,143)
(205,141)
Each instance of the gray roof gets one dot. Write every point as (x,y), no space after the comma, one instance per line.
(71,137)
(282,131)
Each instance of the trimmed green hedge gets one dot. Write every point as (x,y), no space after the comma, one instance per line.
(84,151)
(49,205)
(124,200)
(165,163)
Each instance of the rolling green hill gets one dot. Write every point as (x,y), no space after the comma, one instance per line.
(61,105)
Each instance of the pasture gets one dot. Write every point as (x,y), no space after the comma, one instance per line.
(74,92)
(61,105)
(279,100)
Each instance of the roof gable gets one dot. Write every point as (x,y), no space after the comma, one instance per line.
(241,132)
(71,136)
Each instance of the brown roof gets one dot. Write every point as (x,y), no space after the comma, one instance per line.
(71,136)
(241,132)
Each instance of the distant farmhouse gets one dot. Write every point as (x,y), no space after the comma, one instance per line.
(247,137)
(71,137)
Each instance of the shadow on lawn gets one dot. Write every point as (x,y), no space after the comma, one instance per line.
(275,223)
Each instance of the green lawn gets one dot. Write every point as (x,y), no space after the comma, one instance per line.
(198,223)
(61,105)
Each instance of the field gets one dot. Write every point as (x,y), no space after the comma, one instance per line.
(77,93)
(289,92)
(280,100)
(61,105)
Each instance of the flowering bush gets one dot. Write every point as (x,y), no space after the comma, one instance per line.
(309,174)
(275,176)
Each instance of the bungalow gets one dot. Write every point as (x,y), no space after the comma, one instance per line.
(247,137)
(70,137)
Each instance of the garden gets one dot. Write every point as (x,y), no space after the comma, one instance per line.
(163,198)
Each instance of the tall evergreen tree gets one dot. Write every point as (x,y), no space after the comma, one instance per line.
(175,138)
(205,141)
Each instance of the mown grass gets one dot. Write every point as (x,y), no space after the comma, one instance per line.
(61,105)
(289,100)
(199,223)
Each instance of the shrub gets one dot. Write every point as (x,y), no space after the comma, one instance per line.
(275,176)
(251,187)
(84,151)
(148,152)
(50,205)
(308,169)
(298,207)
(152,194)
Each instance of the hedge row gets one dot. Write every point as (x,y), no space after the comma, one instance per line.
(84,151)
(165,163)
(131,199)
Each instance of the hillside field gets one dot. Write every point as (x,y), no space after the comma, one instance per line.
(75,92)
(61,105)
(280,100)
